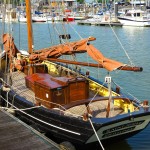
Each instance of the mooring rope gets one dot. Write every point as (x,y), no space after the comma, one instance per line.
(17,92)
(60,128)
(21,109)
(7,99)
(96,134)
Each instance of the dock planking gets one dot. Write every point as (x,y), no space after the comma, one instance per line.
(16,135)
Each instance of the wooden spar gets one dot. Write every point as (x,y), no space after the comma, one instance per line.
(108,109)
(127,68)
(29,26)
(130,68)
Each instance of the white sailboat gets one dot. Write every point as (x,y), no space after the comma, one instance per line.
(22,18)
(39,18)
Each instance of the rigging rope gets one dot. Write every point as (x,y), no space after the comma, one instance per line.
(21,109)
(119,40)
(122,46)
(50,36)
(75,31)
(19,26)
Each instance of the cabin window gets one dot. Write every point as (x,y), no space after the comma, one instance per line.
(128,14)
(137,14)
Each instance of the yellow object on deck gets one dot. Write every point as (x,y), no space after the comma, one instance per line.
(51,67)
(125,105)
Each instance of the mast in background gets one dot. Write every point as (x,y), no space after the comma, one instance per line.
(29,26)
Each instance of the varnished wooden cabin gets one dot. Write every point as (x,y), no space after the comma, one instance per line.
(60,90)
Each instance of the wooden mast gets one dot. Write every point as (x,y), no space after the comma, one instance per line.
(29,26)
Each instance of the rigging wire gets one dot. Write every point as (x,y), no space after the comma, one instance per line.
(63,41)
(75,31)
(8,29)
(56,30)
(50,36)
(132,64)
(49,29)
(19,28)
(120,42)
(2,31)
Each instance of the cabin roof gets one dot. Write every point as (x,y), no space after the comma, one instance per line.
(37,77)
(53,83)
(57,82)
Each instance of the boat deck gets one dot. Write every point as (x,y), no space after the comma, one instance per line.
(16,135)
(97,108)
(19,86)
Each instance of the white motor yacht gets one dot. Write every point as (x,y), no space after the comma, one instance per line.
(135,18)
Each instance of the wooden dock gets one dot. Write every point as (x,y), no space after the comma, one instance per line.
(16,135)
(85,22)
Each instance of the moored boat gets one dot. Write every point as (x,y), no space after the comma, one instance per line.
(22,18)
(68,18)
(63,100)
(39,18)
(135,18)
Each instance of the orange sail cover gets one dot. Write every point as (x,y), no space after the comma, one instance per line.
(77,47)
(63,49)
(59,50)
(9,46)
(108,64)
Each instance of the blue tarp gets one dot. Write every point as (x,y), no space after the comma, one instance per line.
(38,13)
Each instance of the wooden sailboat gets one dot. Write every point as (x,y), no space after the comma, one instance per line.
(63,101)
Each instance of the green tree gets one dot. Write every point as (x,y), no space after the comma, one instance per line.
(80,1)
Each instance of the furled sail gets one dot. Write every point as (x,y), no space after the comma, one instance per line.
(107,63)
(9,46)
(64,49)
(59,50)
(76,47)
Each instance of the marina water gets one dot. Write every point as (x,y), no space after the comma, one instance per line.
(129,45)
